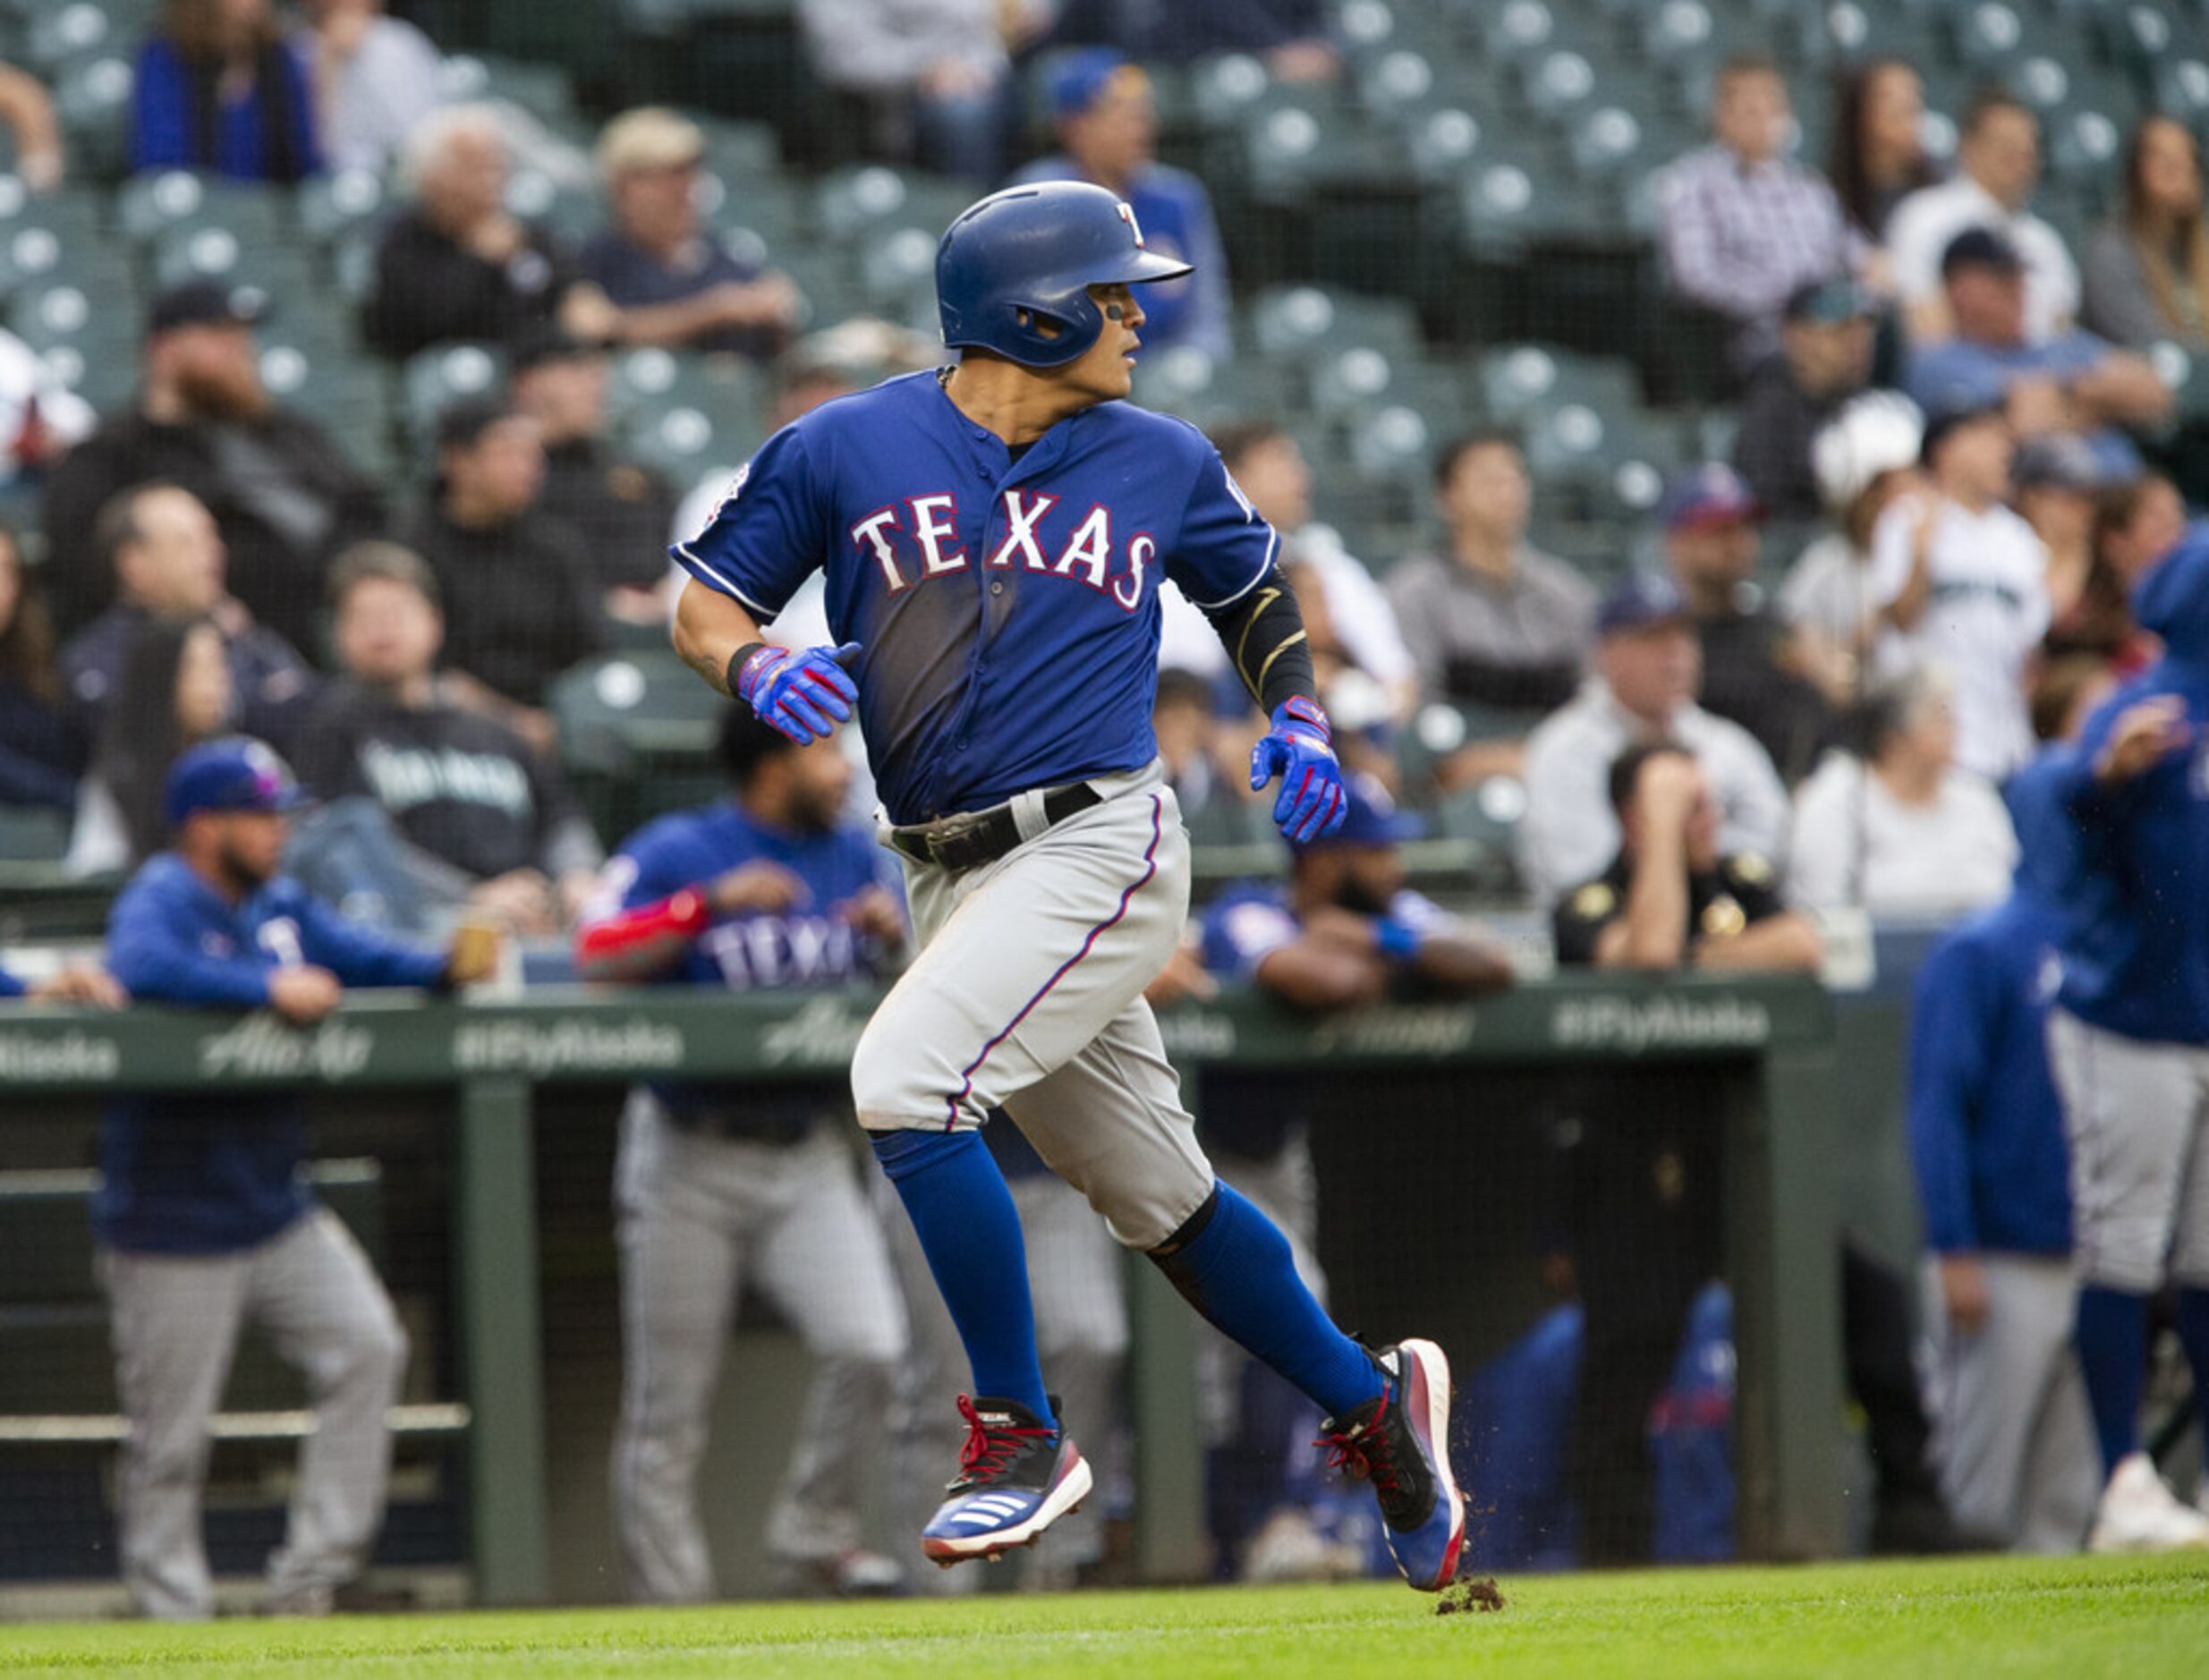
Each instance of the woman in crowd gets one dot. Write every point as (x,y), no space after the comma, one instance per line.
(376,77)
(1864,458)
(1879,149)
(2131,525)
(175,693)
(1901,831)
(41,751)
(2147,275)
(220,89)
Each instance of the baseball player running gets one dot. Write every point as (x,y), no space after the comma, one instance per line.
(2115,833)
(202,1218)
(766,889)
(993,536)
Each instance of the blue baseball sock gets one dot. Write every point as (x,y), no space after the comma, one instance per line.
(2194,1337)
(970,1231)
(2112,1357)
(1237,1269)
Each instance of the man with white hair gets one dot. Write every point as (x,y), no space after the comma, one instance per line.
(672,284)
(459,265)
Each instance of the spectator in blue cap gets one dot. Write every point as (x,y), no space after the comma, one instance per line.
(1648,671)
(1345,931)
(1108,133)
(1751,671)
(935,75)
(203,1219)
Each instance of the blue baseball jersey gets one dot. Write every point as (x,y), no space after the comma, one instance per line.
(1006,608)
(10,985)
(2127,870)
(755,950)
(1986,1127)
(184,1173)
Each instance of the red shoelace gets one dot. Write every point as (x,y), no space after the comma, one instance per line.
(1362,1451)
(988,1450)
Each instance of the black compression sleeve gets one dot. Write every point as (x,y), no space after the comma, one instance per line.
(1263,633)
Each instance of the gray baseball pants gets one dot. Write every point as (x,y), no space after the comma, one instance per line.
(2137,1116)
(1027,994)
(2011,1432)
(697,1216)
(1075,1281)
(176,1318)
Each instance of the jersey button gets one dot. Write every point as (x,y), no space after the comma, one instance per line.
(998,588)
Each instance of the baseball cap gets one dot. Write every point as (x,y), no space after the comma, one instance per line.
(1641,600)
(461,422)
(1372,819)
(1981,247)
(2062,461)
(1829,302)
(206,303)
(1081,78)
(651,136)
(1942,421)
(236,773)
(541,342)
(1710,494)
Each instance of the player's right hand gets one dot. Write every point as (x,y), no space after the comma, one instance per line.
(759,885)
(303,995)
(2143,736)
(804,695)
(1963,1291)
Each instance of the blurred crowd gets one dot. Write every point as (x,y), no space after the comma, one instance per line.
(1799,696)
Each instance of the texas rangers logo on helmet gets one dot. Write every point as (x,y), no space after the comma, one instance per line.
(1128,215)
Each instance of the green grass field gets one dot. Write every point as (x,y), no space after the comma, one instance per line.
(2075,1619)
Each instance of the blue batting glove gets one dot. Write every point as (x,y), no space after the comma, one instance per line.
(804,695)
(1300,749)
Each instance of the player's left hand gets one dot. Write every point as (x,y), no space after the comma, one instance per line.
(805,695)
(1300,749)
(92,986)
(873,913)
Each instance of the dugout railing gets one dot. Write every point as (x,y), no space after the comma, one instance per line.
(1776,1092)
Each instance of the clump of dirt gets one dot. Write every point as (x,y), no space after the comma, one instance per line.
(1466,1596)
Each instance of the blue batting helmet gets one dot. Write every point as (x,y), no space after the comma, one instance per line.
(1039,248)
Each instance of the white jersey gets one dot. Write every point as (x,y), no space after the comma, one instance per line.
(1988,610)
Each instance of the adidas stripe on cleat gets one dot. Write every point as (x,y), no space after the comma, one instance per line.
(1018,1474)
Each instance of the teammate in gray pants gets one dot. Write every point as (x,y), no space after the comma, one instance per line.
(716,1186)
(2011,1434)
(203,1218)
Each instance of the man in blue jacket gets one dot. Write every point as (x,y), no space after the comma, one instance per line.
(203,1219)
(1986,1130)
(2115,833)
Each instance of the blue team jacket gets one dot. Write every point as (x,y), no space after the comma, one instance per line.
(2128,872)
(1986,1127)
(186,1173)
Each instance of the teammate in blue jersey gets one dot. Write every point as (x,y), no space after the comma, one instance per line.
(716,1185)
(993,536)
(2114,830)
(2016,1452)
(203,1219)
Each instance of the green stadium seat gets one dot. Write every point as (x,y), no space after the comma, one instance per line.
(636,736)
(92,102)
(85,325)
(1519,381)
(546,91)
(1302,323)
(1222,89)
(1515,195)
(571,213)
(1209,394)
(1690,36)
(2084,154)
(853,204)
(209,251)
(1516,30)
(1856,31)
(331,206)
(152,207)
(2182,88)
(729,392)
(442,374)
(741,152)
(62,34)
